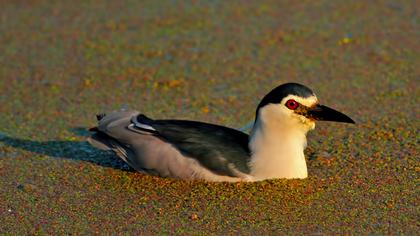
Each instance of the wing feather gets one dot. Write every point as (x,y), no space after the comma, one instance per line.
(222,150)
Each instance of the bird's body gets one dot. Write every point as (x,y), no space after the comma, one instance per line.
(175,148)
(196,150)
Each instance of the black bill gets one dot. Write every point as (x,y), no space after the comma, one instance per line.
(321,112)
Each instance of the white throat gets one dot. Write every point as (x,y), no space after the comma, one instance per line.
(277,145)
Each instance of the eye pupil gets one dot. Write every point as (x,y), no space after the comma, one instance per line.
(292,104)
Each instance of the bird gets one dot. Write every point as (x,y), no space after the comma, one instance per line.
(194,150)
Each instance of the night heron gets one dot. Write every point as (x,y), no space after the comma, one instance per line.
(195,150)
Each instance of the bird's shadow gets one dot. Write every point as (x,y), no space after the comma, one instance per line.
(68,149)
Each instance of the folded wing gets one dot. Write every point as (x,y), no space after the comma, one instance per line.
(138,139)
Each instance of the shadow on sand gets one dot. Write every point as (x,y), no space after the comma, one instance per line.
(73,150)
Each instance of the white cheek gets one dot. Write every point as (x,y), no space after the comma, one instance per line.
(307,123)
(312,125)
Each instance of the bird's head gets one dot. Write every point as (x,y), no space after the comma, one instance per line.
(296,106)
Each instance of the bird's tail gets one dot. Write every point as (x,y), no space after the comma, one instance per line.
(98,139)
(100,116)
(105,142)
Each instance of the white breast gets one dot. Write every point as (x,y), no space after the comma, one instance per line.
(277,146)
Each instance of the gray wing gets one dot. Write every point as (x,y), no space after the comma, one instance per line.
(141,150)
(112,134)
(162,147)
(220,149)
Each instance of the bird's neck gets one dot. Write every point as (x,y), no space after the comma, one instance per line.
(277,151)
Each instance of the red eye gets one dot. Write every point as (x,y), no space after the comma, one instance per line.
(292,104)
